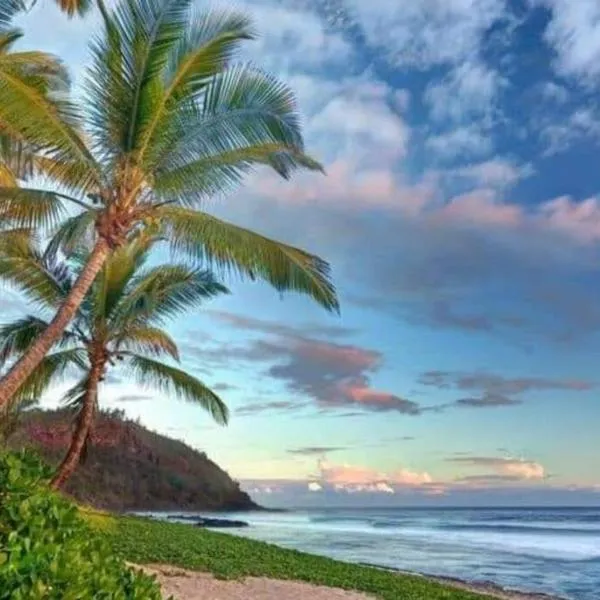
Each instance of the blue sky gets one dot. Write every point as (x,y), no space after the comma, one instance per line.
(461,216)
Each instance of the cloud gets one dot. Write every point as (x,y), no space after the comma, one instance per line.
(462,142)
(314,450)
(335,376)
(265,326)
(428,33)
(469,91)
(223,387)
(559,135)
(504,469)
(488,390)
(574,33)
(354,478)
(497,172)
(255,408)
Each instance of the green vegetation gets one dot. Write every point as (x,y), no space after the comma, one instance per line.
(145,541)
(48,552)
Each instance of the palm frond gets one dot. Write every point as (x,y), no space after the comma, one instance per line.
(8,9)
(164,292)
(73,233)
(169,380)
(16,161)
(51,368)
(40,117)
(199,55)
(31,208)
(23,266)
(74,7)
(222,170)
(74,396)
(146,340)
(126,64)
(242,109)
(117,273)
(232,249)
(16,337)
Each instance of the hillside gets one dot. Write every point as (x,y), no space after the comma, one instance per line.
(127,467)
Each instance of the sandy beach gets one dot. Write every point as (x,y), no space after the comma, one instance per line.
(183,584)
(192,585)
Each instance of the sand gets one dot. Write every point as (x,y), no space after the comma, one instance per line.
(193,585)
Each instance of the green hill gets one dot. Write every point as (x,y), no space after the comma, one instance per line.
(128,467)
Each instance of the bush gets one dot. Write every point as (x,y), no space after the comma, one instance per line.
(47,551)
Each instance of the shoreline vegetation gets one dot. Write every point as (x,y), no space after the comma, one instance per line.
(158,544)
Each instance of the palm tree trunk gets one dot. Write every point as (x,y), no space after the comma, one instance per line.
(23,368)
(84,424)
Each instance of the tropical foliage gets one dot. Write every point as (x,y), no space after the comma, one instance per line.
(120,322)
(48,552)
(171,120)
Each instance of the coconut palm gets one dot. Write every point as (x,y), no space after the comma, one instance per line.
(171,121)
(121,319)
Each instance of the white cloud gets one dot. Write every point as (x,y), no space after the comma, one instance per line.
(574,33)
(468,91)
(497,173)
(463,142)
(583,123)
(428,32)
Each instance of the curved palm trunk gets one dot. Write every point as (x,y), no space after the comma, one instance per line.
(84,424)
(19,372)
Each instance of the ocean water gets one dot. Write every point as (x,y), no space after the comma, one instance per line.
(556,551)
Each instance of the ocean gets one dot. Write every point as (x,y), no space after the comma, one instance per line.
(551,550)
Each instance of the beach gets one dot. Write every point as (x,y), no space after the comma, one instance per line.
(555,552)
(184,584)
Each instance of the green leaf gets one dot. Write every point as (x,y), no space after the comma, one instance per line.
(169,380)
(228,248)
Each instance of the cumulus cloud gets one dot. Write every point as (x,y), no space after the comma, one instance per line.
(356,478)
(507,469)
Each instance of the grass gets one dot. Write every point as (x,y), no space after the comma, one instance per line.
(144,541)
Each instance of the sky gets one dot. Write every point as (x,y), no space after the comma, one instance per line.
(461,216)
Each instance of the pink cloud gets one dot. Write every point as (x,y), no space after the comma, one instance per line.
(480,208)
(578,220)
(356,478)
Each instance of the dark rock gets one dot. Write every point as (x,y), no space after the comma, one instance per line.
(221,523)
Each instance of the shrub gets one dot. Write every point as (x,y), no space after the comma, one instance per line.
(47,551)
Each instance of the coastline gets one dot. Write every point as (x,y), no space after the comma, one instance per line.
(489,588)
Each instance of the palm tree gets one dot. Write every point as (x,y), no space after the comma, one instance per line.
(171,121)
(121,319)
